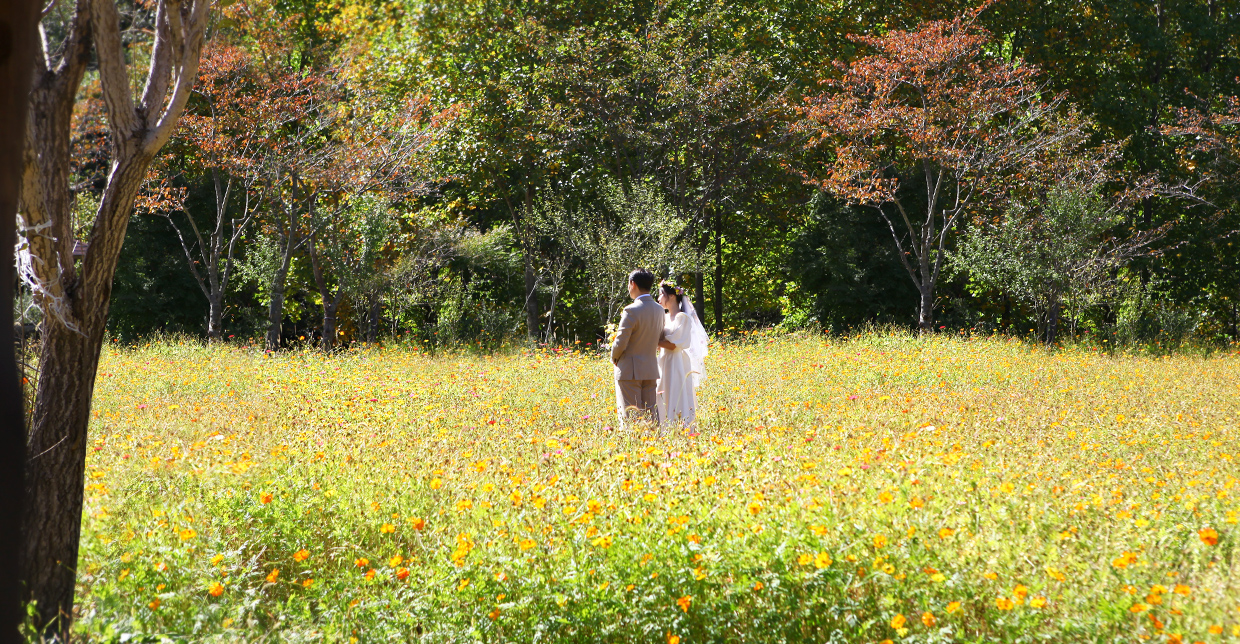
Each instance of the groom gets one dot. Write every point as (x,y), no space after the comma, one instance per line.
(633,350)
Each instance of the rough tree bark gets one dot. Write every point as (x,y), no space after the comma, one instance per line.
(18,38)
(75,302)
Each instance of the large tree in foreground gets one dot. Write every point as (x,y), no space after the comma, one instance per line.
(928,129)
(74,297)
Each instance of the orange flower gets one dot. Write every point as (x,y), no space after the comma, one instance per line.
(953,607)
(494,615)
(418,524)
(216,589)
(273,575)
(301,555)
(880,540)
(1020,592)
(402,573)
(946,532)
(387,528)
(264,498)
(684,602)
(885,497)
(1124,560)
(154,604)
(188,534)
(1003,603)
(758,586)
(673,639)
(370,574)
(307,583)
(898,621)
(928,619)
(1209,536)
(395,560)
(362,562)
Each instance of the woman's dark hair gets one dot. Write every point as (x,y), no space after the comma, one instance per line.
(671,290)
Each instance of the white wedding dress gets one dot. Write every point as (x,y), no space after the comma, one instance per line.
(681,369)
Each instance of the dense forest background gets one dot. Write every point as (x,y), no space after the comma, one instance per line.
(477,171)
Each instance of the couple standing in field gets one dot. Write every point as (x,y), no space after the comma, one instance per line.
(661,386)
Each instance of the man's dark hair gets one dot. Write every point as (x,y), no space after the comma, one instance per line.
(643,278)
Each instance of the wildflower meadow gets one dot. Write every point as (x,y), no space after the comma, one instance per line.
(882,488)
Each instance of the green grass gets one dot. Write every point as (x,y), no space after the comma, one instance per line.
(882,487)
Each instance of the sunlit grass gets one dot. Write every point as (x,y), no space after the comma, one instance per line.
(878,488)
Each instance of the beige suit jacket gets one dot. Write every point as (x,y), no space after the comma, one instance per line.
(634,349)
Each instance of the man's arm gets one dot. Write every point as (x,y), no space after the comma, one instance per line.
(622,337)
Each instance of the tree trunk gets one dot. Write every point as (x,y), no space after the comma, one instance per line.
(62,406)
(718,271)
(18,19)
(275,309)
(1052,320)
(376,316)
(215,315)
(54,485)
(925,306)
(531,301)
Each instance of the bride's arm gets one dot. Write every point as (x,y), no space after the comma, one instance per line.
(675,339)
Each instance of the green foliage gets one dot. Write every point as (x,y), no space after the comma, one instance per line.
(1054,251)
(845,262)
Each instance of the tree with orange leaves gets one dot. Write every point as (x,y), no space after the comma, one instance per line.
(234,127)
(930,128)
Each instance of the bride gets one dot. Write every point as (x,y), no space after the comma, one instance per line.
(682,358)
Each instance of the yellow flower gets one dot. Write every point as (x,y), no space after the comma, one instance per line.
(216,559)
(805,559)
(885,497)
(673,639)
(1003,603)
(880,540)
(395,561)
(990,575)
(1037,602)
(526,544)
(754,507)
(602,542)
(387,528)
(436,483)
(188,534)
(1020,592)
(822,560)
